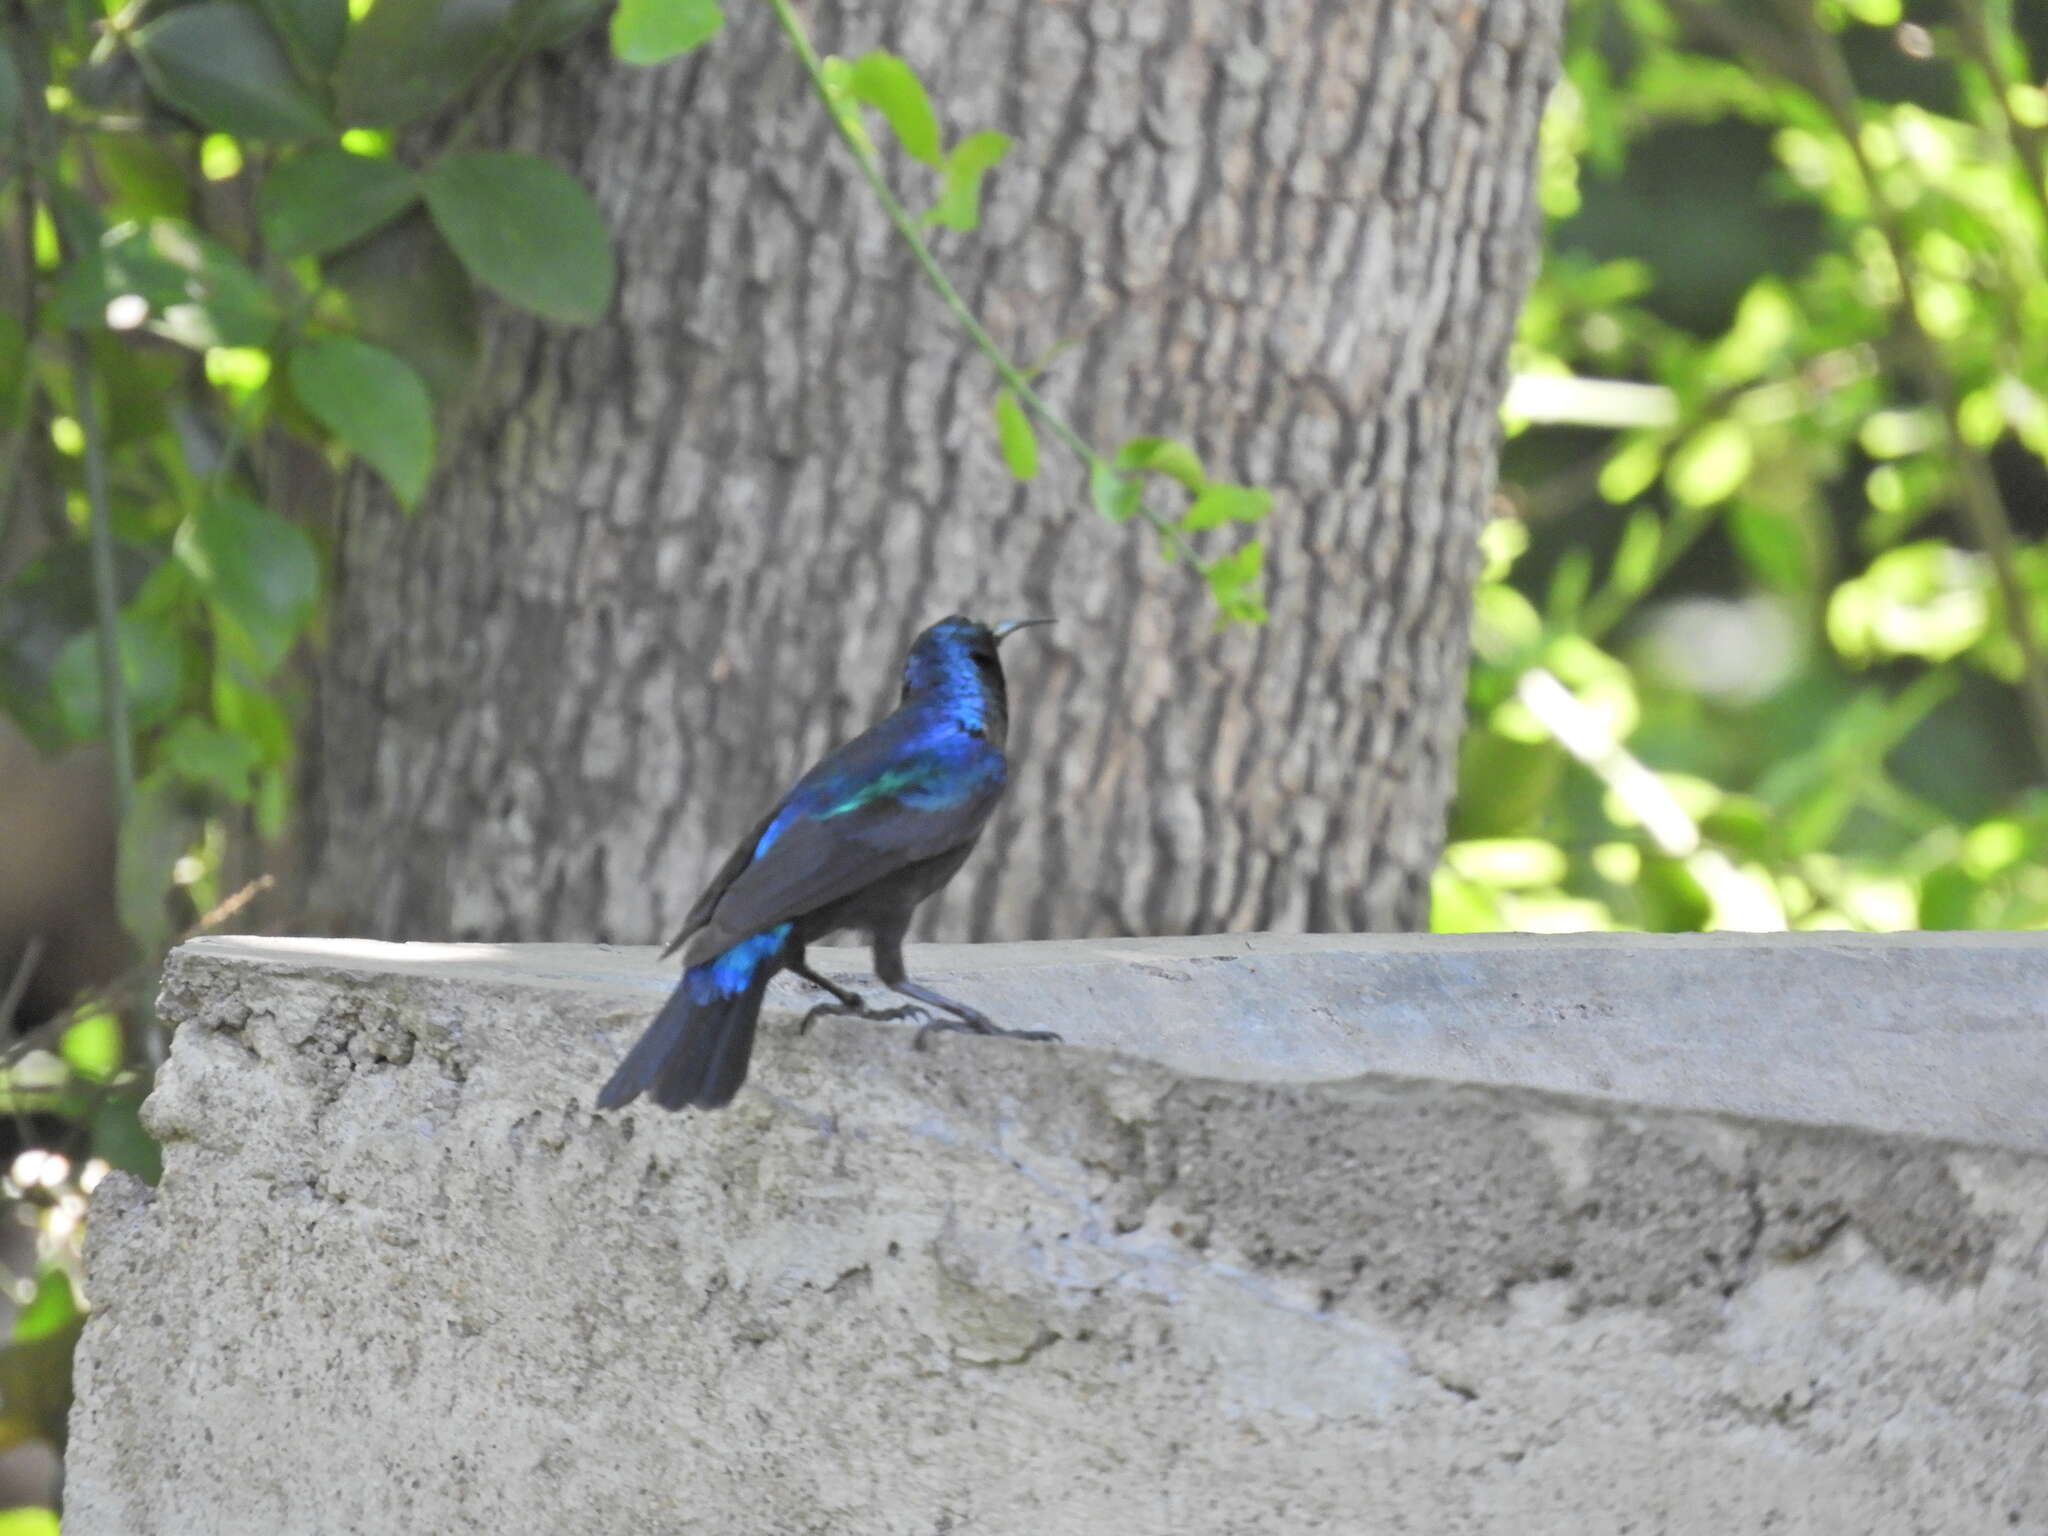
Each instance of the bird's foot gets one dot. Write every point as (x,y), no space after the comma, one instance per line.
(973,1024)
(857,1009)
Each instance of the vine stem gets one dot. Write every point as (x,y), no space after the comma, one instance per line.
(39,137)
(1018,382)
(105,599)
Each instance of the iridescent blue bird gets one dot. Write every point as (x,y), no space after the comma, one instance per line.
(867,834)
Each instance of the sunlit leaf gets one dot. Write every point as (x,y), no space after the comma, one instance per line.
(1508,863)
(1116,496)
(1772,545)
(1457,905)
(1234,581)
(1711,465)
(1013,431)
(959,204)
(52,1309)
(653,31)
(883,81)
(92,1046)
(1163,456)
(28,1521)
(1219,502)
(1925,599)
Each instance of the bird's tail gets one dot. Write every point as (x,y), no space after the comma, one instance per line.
(696,1050)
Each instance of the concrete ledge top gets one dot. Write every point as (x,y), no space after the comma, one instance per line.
(1933,1034)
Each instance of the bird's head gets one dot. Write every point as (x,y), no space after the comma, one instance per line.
(954,665)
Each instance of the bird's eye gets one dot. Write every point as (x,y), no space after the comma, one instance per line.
(984,659)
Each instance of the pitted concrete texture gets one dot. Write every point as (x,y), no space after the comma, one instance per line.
(1294,1235)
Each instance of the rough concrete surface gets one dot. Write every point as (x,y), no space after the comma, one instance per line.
(1294,1235)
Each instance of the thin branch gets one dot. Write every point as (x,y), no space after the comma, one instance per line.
(106,600)
(24,973)
(1017,379)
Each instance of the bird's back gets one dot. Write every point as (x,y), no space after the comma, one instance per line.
(912,787)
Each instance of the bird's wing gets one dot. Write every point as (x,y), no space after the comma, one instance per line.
(700,910)
(837,833)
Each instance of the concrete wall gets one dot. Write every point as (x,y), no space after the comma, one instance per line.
(1581,1236)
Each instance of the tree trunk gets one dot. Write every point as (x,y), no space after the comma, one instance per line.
(677,556)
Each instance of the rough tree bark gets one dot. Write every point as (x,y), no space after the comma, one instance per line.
(678,555)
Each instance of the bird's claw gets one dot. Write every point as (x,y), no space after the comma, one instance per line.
(839,1010)
(978,1024)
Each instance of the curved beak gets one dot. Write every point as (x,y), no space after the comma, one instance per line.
(1009,627)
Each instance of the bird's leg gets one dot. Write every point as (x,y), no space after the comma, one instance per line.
(889,969)
(845,1002)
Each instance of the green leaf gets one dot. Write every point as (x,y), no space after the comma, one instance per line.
(525,229)
(35,1395)
(883,81)
(409,294)
(374,404)
(152,672)
(1013,429)
(313,32)
(1673,900)
(1948,899)
(52,1309)
(92,1046)
(1233,581)
(407,58)
(1635,558)
(1163,456)
(28,1521)
(655,31)
(1457,905)
(155,834)
(119,1139)
(326,198)
(1711,465)
(1220,502)
(259,573)
(41,609)
(1772,545)
(220,63)
(1117,496)
(178,283)
(211,758)
(959,204)
(252,714)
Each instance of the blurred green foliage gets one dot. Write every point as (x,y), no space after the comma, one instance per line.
(1757,643)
